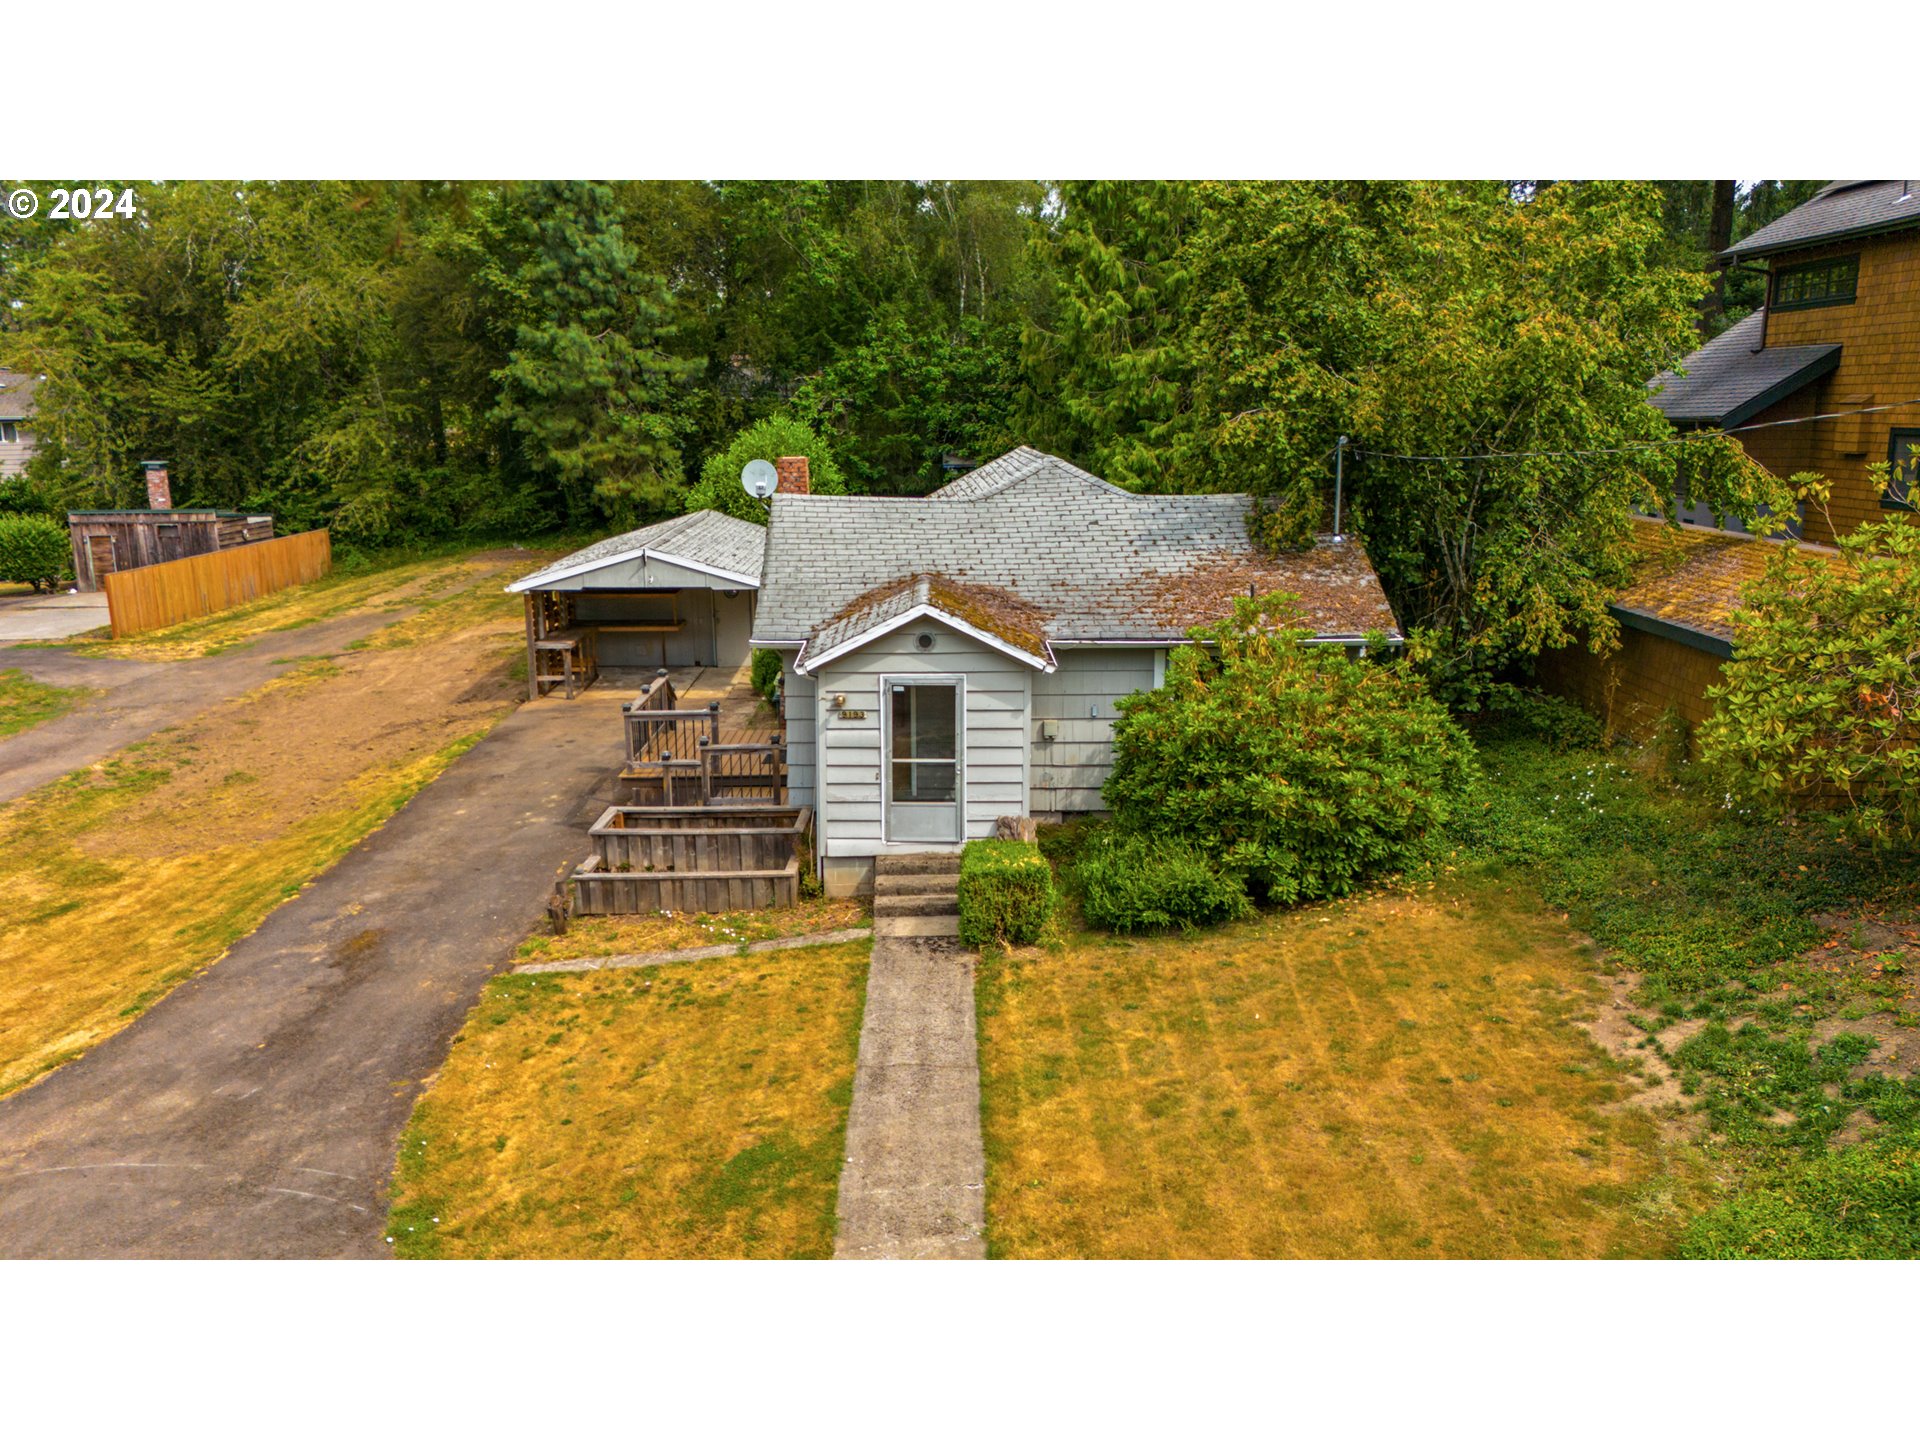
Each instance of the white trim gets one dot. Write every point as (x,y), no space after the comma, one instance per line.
(959,684)
(544,578)
(807,665)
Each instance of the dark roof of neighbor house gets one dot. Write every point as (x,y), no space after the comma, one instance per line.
(1085,561)
(704,540)
(1691,578)
(16,394)
(1730,379)
(1844,208)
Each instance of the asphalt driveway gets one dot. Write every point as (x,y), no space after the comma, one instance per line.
(257,1110)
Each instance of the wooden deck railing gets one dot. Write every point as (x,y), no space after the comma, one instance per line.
(743,774)
(658,734)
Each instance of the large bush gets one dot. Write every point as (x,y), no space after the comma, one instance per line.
(718,487)
(1136,882)
(34,551)
(1294,767)
(1006,892)
(1818,703)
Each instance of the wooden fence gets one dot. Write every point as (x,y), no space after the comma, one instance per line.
(156,596)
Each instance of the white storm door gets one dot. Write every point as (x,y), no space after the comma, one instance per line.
(924,783)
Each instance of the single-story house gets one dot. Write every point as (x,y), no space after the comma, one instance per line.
(16,421)
(680,592)
(957,658)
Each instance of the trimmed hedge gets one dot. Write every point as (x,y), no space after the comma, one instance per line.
(1139,882)
(34,551)
(1006,892)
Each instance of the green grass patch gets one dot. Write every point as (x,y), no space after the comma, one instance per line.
(26,702)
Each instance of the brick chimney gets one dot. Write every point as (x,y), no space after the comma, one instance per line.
(159,491)
(792,470)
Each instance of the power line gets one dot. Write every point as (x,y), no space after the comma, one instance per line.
(1634,445)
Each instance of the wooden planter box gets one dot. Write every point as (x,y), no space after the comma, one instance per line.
(693,858)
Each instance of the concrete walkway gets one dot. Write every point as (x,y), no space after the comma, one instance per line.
(141,697)
(256,1111)
(914,1183)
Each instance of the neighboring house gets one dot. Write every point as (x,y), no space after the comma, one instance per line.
(1825,378)
(954,659)
(1839,335)
(680,592)
(16,419)
(1676,627)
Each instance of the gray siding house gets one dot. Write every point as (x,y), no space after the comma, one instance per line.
(16,417)
(954,659)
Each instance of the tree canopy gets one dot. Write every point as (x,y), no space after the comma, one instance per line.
(409,359)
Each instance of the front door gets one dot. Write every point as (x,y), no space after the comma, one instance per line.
(924,782)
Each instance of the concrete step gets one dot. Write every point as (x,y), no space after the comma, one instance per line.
(915,926)
(936,883)
(947,904)
(925,862)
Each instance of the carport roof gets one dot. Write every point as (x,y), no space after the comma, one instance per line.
(706,540)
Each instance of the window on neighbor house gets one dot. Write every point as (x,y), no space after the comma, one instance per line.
(1824,282)
(1903,480)
(9,435)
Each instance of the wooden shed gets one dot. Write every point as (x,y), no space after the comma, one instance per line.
(678,593)
(108,540)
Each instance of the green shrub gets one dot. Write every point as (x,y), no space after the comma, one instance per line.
(1814,708)
(765,674)
(1294,767)
(1861,1202)
(34,551)
(718,487)
(1136,882)
(1006,892)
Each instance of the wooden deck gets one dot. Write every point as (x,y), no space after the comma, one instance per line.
(704,720)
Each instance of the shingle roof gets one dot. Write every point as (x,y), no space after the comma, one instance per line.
(1692,577)
(1730,379)
(16,394)
(706,539)
(1846,207)
(1095,562)
(1017,465)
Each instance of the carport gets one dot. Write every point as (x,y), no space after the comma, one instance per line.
(678,593)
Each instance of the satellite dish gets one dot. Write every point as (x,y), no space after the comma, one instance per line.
(759,479)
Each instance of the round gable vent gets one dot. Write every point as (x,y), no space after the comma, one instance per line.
(925,640)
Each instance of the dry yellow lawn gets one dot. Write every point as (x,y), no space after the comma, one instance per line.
(1389,1077)
(696,1110)
(126,878)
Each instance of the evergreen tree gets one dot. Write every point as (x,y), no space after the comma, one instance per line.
(1109,377)
(588,388)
